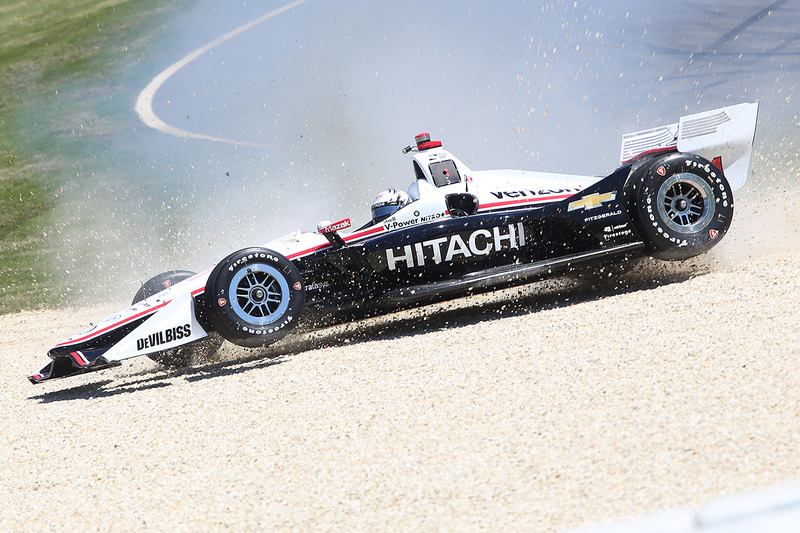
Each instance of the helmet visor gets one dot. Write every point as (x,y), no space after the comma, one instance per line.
(383,211)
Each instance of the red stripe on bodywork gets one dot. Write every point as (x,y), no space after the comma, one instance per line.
(365,233)
(526,201)
(307,251)
(349,238)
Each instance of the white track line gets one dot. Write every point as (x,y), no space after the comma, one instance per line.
(144,102)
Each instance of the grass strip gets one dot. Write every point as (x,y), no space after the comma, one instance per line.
(61,61)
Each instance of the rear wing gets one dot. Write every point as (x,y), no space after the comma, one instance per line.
(726,133)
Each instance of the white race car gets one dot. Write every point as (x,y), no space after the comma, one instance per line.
(455,231)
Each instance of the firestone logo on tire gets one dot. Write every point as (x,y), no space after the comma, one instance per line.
(713,233)
(661,171)
(222,302)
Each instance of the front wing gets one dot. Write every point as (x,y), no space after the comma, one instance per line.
(123,336)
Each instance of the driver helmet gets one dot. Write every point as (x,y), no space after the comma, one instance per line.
(387,202)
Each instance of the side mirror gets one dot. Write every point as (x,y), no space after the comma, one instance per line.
(331,229)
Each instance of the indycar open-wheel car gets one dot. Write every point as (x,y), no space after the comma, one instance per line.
(455,231)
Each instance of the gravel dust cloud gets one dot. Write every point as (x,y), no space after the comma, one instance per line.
(332,92)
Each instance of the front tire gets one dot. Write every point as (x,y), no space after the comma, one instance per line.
(254,297)
(682,205)
(180,356)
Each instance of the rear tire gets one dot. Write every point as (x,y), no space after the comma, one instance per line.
(180,356)
(682,206)
(254,297)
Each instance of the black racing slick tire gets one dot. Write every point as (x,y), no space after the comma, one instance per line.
(254,297)
(158,283)
(682,206)
(181,356)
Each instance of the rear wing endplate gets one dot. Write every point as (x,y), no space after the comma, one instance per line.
(726,133)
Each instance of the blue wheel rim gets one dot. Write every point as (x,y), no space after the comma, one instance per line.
(259,294)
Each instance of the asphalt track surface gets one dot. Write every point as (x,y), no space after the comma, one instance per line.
(144,103)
